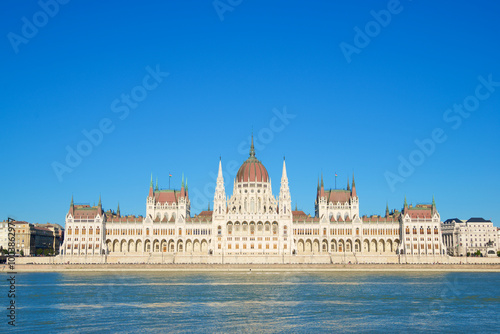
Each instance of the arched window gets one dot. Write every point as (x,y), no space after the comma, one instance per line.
(91,231)
(219,230)
(76,231)
(98,231)
(284,230)
(83,231)
(147,231)
(69,231)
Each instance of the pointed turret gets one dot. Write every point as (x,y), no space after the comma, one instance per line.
(220,194)
(183,191)
(433,205)
(296,208)
(322,189)
(353,191)
(151,187)
(387,209)
(187,195)
(99,204)
(118,210)
(405,205)
(156,187)
(71,207)
(252,149)
(285,202)
(348,186)
(208,209)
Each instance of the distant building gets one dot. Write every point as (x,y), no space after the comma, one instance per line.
(4,235)
(56,233)
(476,234)
(25,242)
(35,239)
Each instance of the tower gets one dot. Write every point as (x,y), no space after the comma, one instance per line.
(220,195)
(285,202)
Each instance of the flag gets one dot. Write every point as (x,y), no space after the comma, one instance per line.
(336,175)
(169,175)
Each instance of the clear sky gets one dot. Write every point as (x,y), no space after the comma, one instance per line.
(334,86)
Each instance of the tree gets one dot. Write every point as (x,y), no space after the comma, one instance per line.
(21,252)
(478,253)
(498,253)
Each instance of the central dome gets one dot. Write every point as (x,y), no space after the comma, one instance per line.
(252,170)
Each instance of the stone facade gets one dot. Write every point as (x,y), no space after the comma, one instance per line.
(253,225)
(476,234)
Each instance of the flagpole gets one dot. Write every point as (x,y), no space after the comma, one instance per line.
(169,177)
(335,181)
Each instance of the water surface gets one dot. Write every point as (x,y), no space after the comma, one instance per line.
(256,302)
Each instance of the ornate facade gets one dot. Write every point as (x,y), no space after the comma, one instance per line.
(252,223)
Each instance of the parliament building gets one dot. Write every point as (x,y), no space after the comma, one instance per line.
(253,226)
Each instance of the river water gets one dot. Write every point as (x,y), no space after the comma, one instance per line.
(255,302)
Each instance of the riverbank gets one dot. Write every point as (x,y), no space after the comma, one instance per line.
(253,268)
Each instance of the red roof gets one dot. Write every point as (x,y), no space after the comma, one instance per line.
(252,170)
(335,196)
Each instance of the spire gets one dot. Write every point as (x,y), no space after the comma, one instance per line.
(348,186)
(220,168)
(99,205)
(252,149)
(353,191)
(433,205)
(156,187)
(296,209)
(71,201)
(183,191)
(318,184)
(406,204)
(284,170)
(208,206)
(118,210)
(151,187)
(387,209)
(322,185)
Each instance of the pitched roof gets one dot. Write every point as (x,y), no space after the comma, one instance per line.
(478,220)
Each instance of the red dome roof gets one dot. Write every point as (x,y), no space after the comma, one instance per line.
(252,169)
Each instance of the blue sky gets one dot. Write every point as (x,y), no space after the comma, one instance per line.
(243,66)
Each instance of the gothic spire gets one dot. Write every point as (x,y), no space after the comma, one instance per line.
(284,170)
(220,168)
(71,201)
(348,186)
(156,188)
(151,183)
(118,210)
(387,209)
(252,149)
(353,191)
(99,201)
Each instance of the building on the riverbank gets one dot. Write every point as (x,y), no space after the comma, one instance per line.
(476,234)
(4,235)
(34,239)
(252,223)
